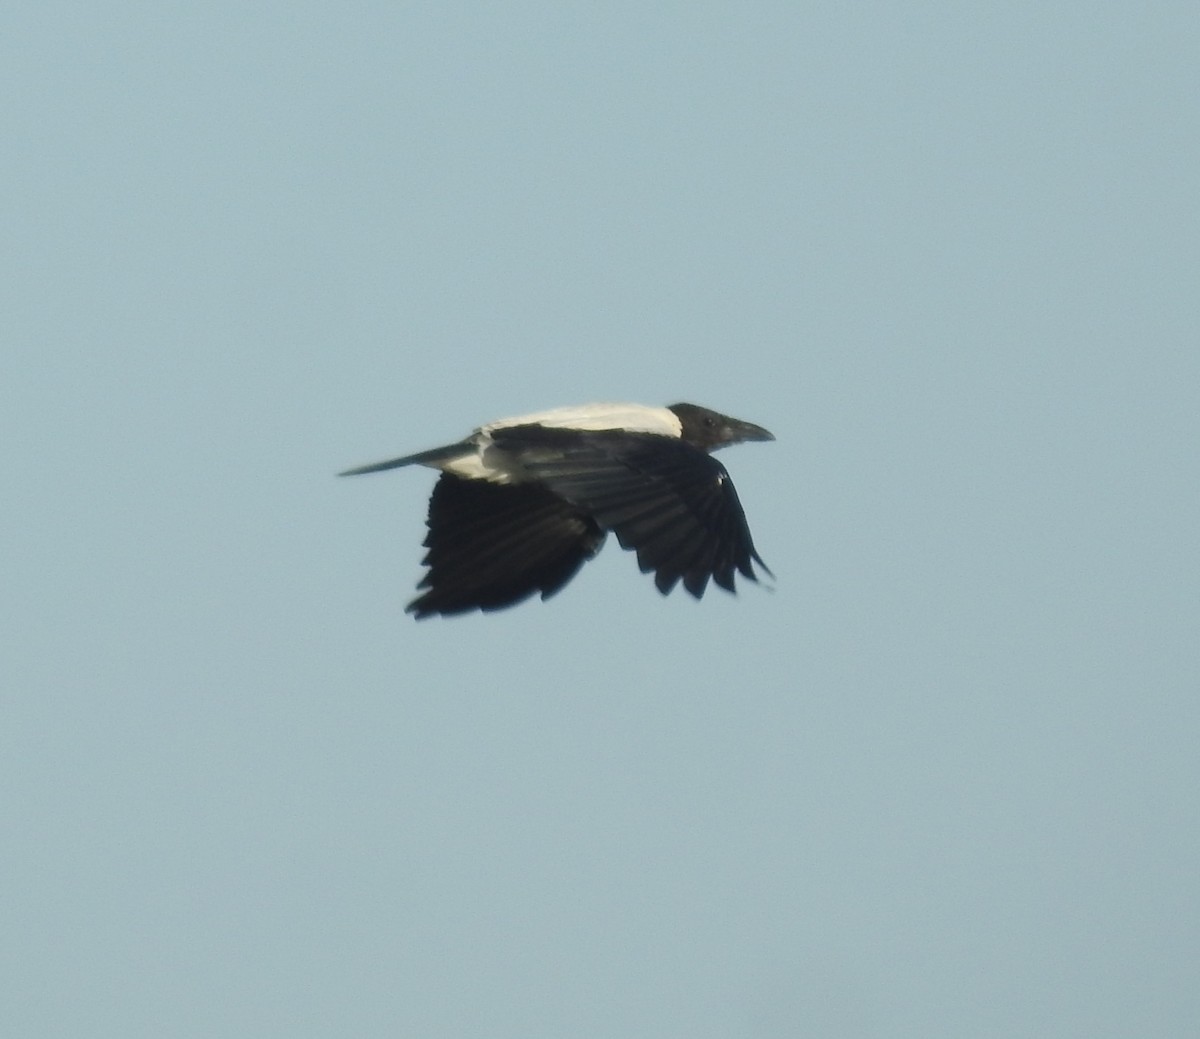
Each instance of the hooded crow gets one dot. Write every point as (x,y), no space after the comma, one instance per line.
(524,502)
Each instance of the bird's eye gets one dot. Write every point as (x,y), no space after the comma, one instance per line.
(710,422)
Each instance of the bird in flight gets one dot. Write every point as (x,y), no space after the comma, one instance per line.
(523,503)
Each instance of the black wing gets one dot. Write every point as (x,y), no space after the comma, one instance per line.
(671,502)
(492,545)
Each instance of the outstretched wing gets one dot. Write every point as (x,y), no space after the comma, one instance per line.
(492,545)
(672,503)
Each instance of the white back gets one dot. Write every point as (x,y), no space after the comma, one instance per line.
(483,462)
(634,417)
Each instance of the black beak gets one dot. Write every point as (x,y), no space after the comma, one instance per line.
(740,432)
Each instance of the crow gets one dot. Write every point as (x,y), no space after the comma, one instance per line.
(523,503)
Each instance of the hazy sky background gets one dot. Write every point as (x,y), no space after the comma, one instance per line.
(942,781)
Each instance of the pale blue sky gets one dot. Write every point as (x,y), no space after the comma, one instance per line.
(942,781)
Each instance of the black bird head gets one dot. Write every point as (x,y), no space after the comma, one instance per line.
(709,430)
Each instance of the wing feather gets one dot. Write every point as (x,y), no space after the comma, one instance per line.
(491,545)
(670,502)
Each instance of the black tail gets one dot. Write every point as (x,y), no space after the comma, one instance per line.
(437,454)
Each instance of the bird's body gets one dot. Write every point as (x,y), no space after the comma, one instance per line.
(524,502)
